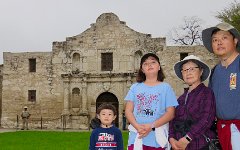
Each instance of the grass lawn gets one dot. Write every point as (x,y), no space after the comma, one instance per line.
(51,140)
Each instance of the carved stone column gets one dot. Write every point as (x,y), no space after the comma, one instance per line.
(130,63)
(84,97)
(129,82)
(66,86)
(120,112)
(81,64)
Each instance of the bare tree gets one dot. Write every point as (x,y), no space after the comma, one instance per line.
(189,33)
(231,14)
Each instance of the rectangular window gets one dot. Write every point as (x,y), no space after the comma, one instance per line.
(32,65)
(32,95)
(183,55)
(107,61)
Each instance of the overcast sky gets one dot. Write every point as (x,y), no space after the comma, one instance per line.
(32,25)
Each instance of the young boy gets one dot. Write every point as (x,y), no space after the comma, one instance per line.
(107,136)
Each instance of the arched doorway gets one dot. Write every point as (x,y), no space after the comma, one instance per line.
(109,98)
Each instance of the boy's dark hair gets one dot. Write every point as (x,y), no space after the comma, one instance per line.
(141,76)
(95,122)
(106,106)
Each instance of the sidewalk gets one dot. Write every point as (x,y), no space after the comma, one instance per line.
(7,130)
(2,130)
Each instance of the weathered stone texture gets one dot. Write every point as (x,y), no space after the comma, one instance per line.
(69,80)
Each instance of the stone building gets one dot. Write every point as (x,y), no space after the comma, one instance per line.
(65,86)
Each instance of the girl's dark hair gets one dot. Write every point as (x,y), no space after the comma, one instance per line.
(141,76)
(106,106)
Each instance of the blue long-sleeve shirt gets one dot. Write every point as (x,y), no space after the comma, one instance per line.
(200,105)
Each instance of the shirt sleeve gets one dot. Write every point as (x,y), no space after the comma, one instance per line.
(130,95)
(207,115)
(171,99)
(119,141)
(92,141)
(171,130)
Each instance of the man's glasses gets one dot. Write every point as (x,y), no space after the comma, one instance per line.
(191,69)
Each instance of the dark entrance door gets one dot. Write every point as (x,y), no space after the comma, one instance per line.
(109,98)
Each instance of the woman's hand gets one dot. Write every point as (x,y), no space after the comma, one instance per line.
(182,143)
(174,144)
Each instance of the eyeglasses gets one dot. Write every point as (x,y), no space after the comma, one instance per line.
(191,69)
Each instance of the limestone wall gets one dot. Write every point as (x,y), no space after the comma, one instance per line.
(1,78)
(17,80)
(68,80)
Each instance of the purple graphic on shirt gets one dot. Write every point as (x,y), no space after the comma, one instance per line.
(147,104)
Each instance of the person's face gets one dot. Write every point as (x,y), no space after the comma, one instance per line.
(150,66)
(223,43)
(106,117)
(191,73)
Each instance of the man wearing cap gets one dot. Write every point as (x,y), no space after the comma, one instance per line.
(223,40)
(25,116)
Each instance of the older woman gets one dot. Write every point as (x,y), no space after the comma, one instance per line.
(196,110)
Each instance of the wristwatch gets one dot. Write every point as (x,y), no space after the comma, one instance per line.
(152,126)
(188,138)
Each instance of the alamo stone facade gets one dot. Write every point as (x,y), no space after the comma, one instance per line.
(65,86)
